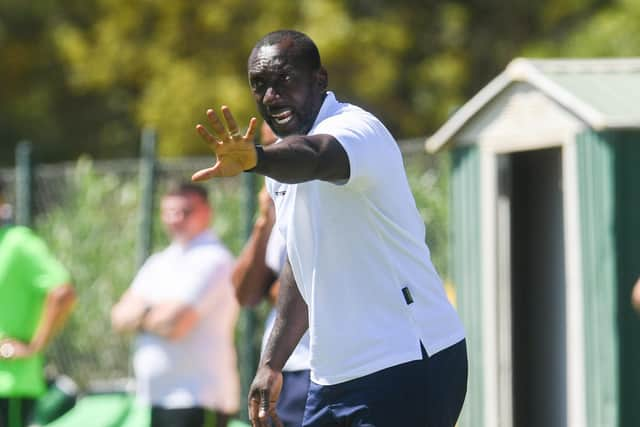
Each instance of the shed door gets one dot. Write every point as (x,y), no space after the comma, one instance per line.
(536,269)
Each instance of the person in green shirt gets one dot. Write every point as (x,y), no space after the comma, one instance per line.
(36,297)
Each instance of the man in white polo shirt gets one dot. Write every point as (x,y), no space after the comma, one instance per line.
(387,348)
(182,309)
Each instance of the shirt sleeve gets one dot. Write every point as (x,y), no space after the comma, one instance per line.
(142,284)
(367,144)
(41,269)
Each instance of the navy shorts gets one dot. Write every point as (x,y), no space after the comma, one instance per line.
(421,393)
(293,397)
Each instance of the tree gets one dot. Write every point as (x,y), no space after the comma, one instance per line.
(84,77)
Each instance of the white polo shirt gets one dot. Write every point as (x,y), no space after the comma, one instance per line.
(199,369)
(359,256)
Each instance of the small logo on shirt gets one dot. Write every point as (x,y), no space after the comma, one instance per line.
(408,298)
(280,193)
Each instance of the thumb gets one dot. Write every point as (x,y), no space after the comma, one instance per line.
(205,174)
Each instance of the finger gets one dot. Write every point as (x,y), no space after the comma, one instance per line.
(211,140)
(254,403)
(252,129)
(276,419)
(216,124)
(231,122)
(263,413)
(205,174)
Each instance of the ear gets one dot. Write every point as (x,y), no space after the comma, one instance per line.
(322,78)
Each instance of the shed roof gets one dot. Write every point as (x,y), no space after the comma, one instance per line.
(604,93)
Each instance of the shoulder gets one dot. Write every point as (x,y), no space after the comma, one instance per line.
(348,114)
(22,238)
(354,122)
(19,232)
(211,250)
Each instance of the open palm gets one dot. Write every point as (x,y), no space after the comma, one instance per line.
(234,152)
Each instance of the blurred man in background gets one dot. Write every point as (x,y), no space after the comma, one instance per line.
(255,278)
(182,307)
(36,298)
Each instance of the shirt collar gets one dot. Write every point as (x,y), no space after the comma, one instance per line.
(328,109)
(204,238)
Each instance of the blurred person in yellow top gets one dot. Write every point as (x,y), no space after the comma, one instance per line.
(36,297)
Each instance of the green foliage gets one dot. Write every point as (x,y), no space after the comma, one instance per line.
(93,231)
(612,30)
(83,77)
(429,181)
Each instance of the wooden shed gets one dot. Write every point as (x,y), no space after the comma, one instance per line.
(545,237)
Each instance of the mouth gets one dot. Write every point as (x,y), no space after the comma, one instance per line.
(282,116)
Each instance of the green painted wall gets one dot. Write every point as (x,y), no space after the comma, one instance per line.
(466,270)
(626,149)
(597,226)
(609,186)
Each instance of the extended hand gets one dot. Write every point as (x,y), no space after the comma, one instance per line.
(263,397)
(234,153)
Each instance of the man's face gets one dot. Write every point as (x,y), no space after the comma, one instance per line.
(287,91)
(184,216)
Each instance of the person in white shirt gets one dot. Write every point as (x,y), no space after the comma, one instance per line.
(387,347)
(182,307)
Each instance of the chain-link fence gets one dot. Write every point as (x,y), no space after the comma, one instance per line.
(89,214)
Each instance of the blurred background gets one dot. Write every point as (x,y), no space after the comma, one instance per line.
(107,93)
(82,77)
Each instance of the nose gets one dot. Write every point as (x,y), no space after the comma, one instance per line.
(173,218)
(270,95)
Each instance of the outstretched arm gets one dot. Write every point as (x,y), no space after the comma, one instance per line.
(291,323)
(295,159)
(301,158)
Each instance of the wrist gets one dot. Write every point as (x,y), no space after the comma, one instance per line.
(259,158)
(271,364)
(270,367)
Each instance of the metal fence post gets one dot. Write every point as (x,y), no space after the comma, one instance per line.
(24,182)
(248,351)
(147,189)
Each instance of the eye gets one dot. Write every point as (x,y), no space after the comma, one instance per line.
(286,78)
